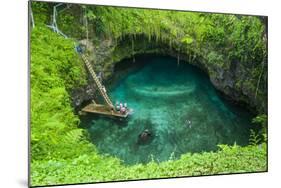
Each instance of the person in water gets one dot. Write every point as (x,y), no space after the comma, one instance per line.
(145,136)
(188,123)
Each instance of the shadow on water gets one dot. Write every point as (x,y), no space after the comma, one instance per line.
(176,106)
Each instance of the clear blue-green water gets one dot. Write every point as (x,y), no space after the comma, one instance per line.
(177,104)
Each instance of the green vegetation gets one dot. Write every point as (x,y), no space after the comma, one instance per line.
(91,167)
(55,68)
(61,152)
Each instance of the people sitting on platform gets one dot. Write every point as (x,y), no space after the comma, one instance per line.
(118,106)
(121,107)
(123,110)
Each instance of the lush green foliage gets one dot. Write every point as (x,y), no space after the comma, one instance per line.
(91,167)
(261,122)
(55,68)
(60,152)
(261,119)
(41,12)
(187,31)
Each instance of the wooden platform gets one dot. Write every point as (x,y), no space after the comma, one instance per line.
(103,110)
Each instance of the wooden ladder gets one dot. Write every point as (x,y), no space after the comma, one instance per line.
(94,75)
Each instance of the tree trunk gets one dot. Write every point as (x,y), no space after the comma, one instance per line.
(258,83)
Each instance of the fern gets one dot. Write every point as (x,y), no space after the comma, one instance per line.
(73,136)
(260,119)
(254,138)
(264,137)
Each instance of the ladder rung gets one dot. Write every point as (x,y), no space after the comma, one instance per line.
(91,70)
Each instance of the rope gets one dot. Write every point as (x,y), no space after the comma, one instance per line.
(54,25)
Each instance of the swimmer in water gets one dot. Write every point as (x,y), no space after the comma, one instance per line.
(188,123)
(145,136)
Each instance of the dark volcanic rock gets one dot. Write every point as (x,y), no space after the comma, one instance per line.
(233,79)
(82,94)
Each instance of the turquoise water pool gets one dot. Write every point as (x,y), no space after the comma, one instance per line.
(177,104)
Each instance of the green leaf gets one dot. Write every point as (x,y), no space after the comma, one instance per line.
(187,39)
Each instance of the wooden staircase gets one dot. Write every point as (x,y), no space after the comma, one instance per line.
(99,85)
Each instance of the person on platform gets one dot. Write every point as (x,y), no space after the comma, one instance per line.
(123,110)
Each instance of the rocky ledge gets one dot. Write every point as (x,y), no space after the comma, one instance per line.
(236,80)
